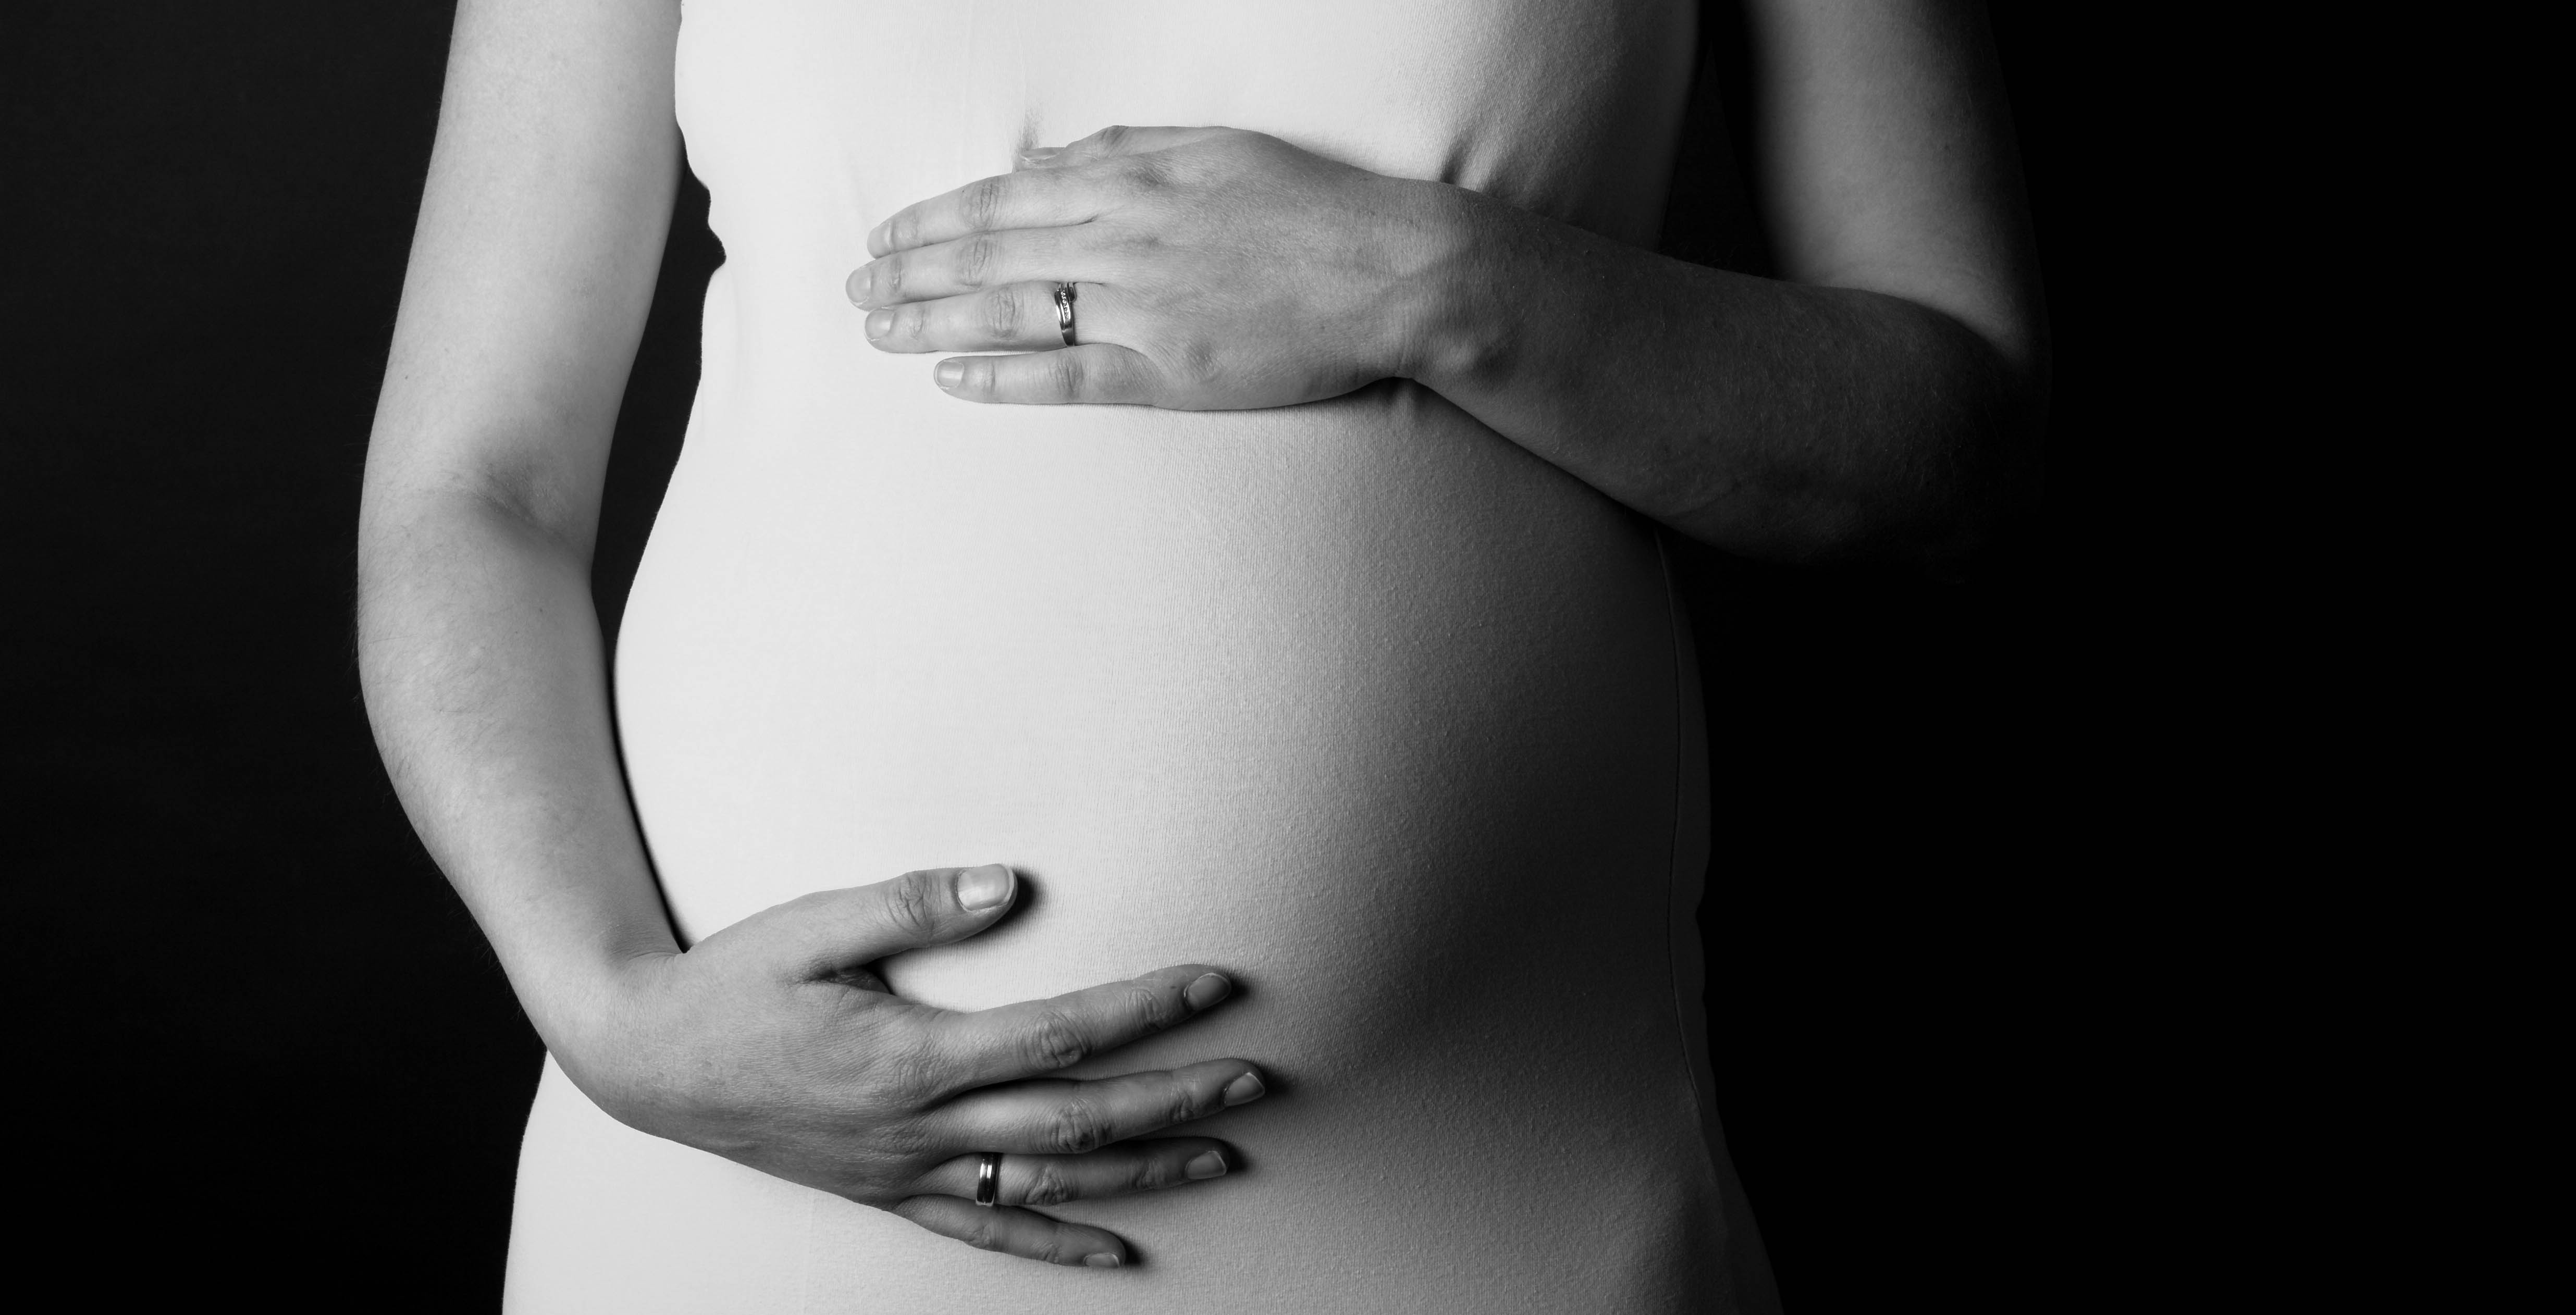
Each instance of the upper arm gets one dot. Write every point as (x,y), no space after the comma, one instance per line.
(1884,160)
(540,234)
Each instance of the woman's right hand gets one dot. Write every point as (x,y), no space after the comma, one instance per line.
(772,1044)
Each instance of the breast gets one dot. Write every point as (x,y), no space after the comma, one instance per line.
(811,121)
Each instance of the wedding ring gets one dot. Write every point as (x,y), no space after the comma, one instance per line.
(988,1179)
(1064,312)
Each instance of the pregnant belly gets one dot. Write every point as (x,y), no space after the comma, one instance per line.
(1355,700)
(1231,685)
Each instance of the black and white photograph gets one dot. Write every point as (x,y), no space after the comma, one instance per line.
(1100,657)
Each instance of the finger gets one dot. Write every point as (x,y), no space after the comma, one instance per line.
(1013,317)
(1036,1037)
(1119,139)
(1015,1232)
(1041,1180)
(1058,1116)
(1028,199)
(1092,372)
(834,931)
(977,260)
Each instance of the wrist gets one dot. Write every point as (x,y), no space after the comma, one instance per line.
(582,1004)
(1446,321)
(598,1024)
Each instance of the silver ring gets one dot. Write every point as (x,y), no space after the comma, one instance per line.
(1064,313)
(988,1179)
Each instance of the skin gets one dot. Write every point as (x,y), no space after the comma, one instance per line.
(1878,399)
(770,1042)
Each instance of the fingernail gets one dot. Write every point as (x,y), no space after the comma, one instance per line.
(981,888)
(1207,990)
(1101,1260)
(857,285)
(1208,1165)
(1040,154)
(879,322)
(1245,1090)
(949,373)
(877,238)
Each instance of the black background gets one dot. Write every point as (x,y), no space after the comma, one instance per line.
(262,1050)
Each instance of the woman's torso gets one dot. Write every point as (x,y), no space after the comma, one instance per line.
(1358,699)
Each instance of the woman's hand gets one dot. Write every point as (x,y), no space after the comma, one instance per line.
(1882,397)
(1214,269)
(771,1044)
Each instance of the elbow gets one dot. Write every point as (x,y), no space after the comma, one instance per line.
(1985,481)
(1934,474)
(1912,441)
(1996,463)
(1967,456)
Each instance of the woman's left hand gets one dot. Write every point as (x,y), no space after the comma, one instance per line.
(1214,269)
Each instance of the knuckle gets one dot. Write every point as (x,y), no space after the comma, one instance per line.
(1164,1006)
(984,1234)
(1183,1105)
(1053,1042)
(979,202)
(1077,1127)
(911,904)
(878,1179)
(1002,312)
(905,1140)
(1065,375)
(1052,1186)
(906,1069)
(974,261)
(1156,1172)
(1151,1008)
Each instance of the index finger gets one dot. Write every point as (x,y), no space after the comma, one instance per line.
(1023,1040)
(1044,198)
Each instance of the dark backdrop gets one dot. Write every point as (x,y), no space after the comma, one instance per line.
(262,1049)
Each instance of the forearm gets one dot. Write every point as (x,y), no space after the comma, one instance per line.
(481,658)
(1774,419)
(542,219)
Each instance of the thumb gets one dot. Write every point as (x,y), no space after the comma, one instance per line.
(837,930)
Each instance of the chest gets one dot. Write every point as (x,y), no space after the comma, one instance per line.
(1568,107)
